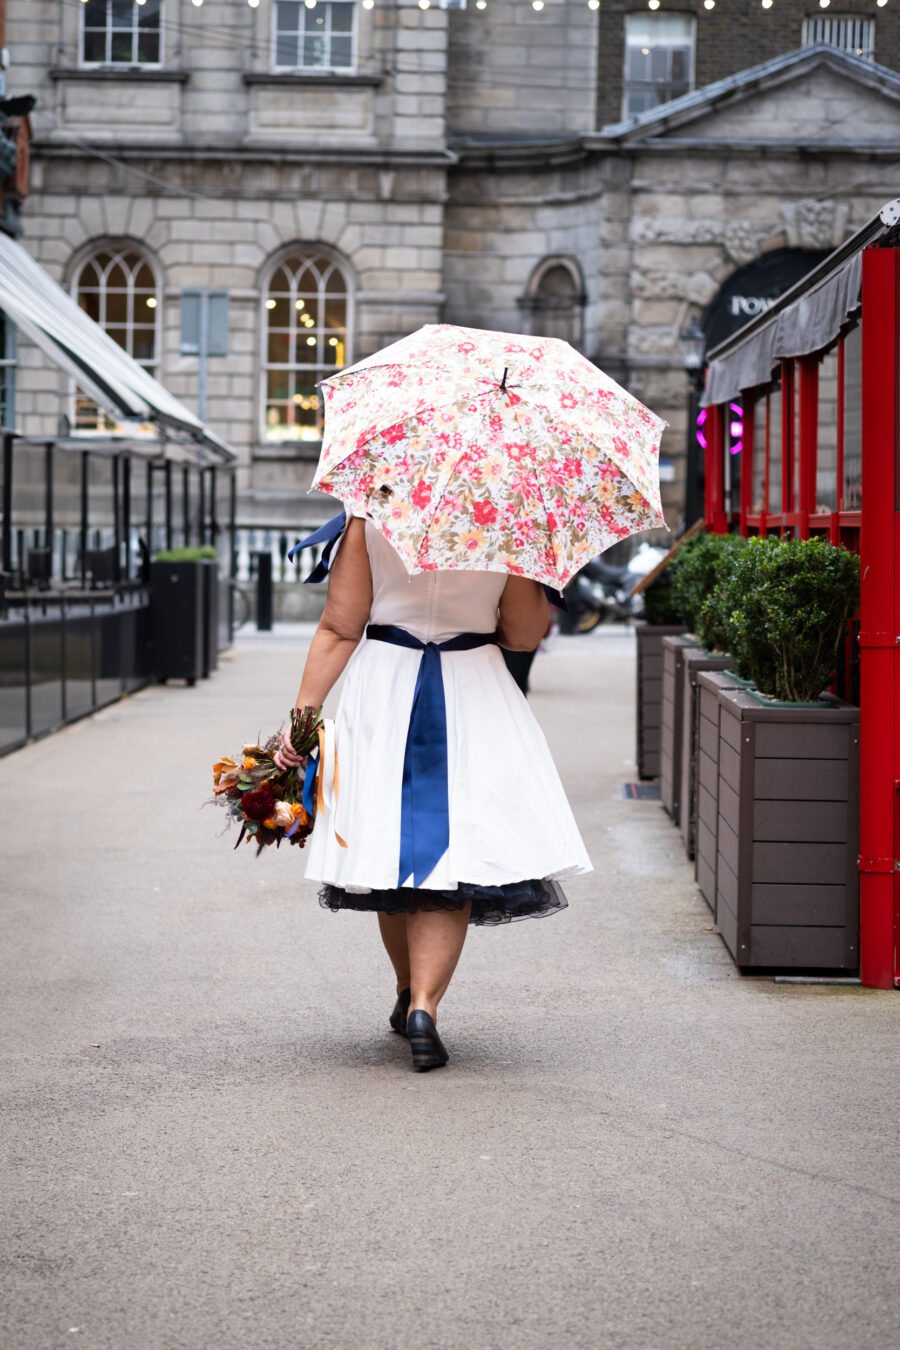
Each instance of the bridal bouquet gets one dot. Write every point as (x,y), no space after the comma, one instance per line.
(271,803)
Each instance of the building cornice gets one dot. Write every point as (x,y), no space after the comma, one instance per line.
(382,157)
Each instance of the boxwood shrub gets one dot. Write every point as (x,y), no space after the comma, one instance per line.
(783,608)
(196,553)
(697,569)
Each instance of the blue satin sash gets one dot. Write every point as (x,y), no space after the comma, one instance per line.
(425,802)
(327,534)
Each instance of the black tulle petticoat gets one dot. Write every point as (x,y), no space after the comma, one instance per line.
(491,905)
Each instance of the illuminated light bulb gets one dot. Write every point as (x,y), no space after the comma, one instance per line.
(197,3)
(481,4)
(300,304)
(881,3)
(593,4)
(424,4)
(653,4)
(270,304)
(140,2)
(709,4)
(254,4)
(151,302)
(368,4)
(537,4)
(823,4)
(332,342)
(310,4)
(767,4)
(311,342)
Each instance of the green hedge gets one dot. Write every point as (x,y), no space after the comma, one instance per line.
(783,609)
(199,553)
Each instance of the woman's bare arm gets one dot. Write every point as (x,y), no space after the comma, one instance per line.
(340,628)
(524,615)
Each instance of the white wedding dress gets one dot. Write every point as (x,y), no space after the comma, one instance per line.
(509,819)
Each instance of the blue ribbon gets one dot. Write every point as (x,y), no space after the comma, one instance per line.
(327,534)
(425,802)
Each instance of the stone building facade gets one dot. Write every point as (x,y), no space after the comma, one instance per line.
(400,165)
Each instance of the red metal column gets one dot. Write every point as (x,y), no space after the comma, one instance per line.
(879,630)
(716,520)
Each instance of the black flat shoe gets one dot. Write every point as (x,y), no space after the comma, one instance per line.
(397,1018)
(427,1047)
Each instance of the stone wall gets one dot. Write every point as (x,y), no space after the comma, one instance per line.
(521,72)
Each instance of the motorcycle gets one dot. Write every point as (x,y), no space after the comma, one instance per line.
(602,591)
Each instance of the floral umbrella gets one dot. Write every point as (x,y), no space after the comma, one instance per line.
(490,451)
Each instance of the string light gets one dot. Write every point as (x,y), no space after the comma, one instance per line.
(424,4)
(767,4)
(537,4)
(823,4)
(593,4)
(368,4)
(653,4)
(197,3)
(310,4)
(881,3)
(254,4)
(709,4)
(481,4)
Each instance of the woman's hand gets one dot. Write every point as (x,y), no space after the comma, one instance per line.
(286,756)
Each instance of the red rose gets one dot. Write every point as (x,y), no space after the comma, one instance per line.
(258,804)
(485,513)
(421,494)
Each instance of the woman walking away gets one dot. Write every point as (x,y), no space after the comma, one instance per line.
(449,809)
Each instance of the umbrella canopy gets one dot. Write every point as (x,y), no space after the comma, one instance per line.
(490,451)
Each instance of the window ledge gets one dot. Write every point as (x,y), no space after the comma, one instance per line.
(146,74)
(312,80)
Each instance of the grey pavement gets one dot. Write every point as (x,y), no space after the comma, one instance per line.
(212,1140)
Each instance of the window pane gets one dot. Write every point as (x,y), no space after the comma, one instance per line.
(148,49)
(148,15)
(342,51)
(95,14)
(313,50)
(775,451)
(826,437)
(659,64)
(279,348)
(285,50)
(288,16)
(122,13)
(341,18)
(94,46)
(853,420)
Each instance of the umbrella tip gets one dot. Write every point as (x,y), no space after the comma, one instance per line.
(503,381)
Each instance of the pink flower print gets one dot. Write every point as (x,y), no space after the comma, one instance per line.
(421,494)
(621,447)
(513,347)
(568,401)
(516,451)
(485,513)
(572,467)
(552,522)
(364,436)
(396,377)
(394,434)
(465,347)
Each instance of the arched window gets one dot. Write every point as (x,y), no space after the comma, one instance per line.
(555,300)
(305,339)
(118,288)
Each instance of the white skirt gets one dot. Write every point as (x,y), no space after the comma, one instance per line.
(509,817)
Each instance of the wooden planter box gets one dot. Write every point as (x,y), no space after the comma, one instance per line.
(709,683)
(694,662)
(649,693)
(671,722)
(787,893)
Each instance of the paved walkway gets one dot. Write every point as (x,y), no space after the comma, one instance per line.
(213,1142)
